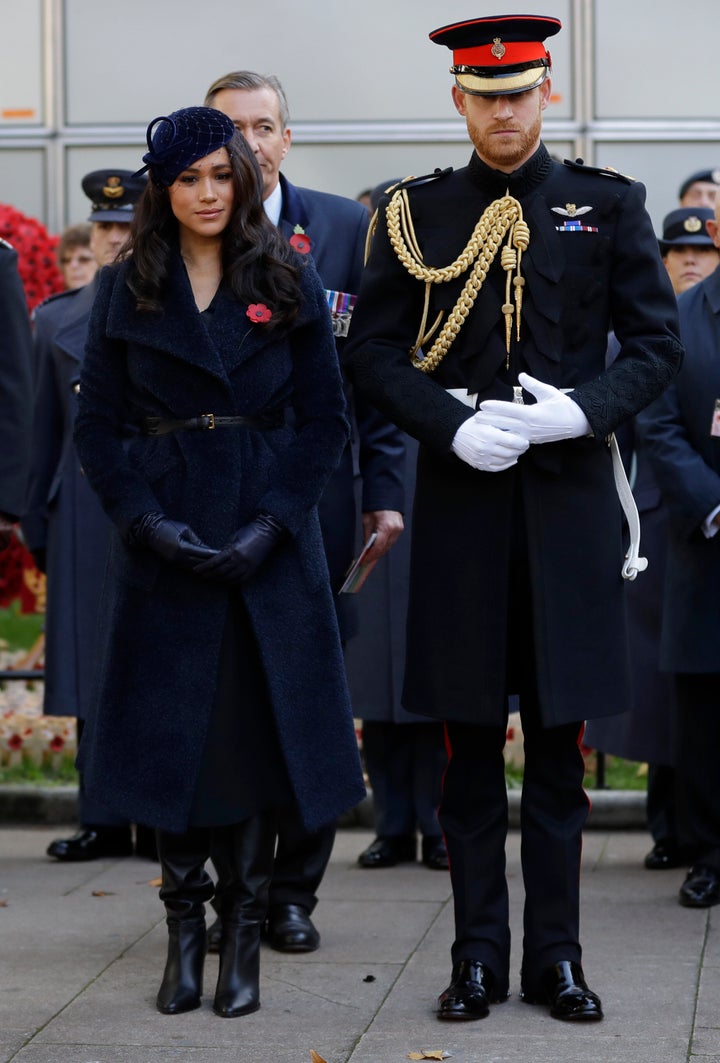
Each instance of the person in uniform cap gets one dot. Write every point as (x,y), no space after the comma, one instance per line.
(686,246)
(481,329)
(700,189)
(64,525)
(681,433)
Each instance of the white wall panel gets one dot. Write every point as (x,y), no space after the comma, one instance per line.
(21,63)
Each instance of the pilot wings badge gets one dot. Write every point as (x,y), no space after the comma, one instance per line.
(572,213)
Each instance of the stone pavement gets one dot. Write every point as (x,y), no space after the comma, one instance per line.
(82,951)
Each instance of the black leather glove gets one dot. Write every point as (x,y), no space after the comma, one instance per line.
(245,552)
(173,540)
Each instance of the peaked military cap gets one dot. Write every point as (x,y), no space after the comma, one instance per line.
(499,55)
(711,177)
(113,194)
(686,225)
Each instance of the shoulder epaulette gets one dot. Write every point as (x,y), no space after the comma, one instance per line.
(413,182)
(4,243)
(603,171)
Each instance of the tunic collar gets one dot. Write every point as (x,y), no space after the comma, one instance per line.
(518,183)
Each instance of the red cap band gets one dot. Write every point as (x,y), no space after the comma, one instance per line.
(512,53)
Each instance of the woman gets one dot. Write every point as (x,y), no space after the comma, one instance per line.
(76,260)
(211,415)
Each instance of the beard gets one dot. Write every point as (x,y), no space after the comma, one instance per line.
(506,152)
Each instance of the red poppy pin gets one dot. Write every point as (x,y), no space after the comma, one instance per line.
(300,240)
(259,313)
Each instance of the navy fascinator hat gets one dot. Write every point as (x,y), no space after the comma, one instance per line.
(177,140)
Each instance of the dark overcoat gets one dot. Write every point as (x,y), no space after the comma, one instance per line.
(336,228)
(63,516)
(15,386)
(685,453)
(161,628)
(580,280)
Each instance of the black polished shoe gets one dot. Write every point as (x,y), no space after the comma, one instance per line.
(289,928)
(564,989)
(92,844)
(213,935)
(701,888)
(470,993)
(434,854)
(389,851)
(666,855)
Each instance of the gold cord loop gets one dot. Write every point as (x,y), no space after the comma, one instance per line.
(502,217)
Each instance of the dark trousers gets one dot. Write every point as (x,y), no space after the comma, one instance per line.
(300,860)
(405,763)
(698,700)
(661,803)
(474,818)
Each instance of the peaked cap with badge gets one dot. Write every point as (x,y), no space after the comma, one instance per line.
(499,55)
(113,194)
(686,225)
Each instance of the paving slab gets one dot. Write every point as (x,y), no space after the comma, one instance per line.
(82,950)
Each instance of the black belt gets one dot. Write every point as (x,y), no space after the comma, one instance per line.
(159,426)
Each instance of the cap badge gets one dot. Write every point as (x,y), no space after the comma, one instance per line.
(113,189)
(498,49)
(716,177)
(570,210)
(692,224)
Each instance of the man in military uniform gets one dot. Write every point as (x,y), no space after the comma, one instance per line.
(64,525)
(488,296)
(681,432)
(700,189)
(15,393)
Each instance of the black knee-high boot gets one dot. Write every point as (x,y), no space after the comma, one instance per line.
(186,886)
(243,857)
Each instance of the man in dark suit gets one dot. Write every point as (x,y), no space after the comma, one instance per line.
(681,430)
(488,295)
(332,229)
(64,525)
(15,393)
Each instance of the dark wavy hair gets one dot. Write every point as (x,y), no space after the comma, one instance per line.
(258,263)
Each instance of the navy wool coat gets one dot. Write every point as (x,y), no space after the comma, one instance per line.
(161,628)
(579,281)
(63,517)
(681,434)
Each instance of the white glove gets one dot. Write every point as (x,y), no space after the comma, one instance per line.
(553,417)
(487,448)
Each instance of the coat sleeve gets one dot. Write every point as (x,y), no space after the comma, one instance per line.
(15,387)
(690,487)
(47,442)
(644,319)
(100,425)
(303,468)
